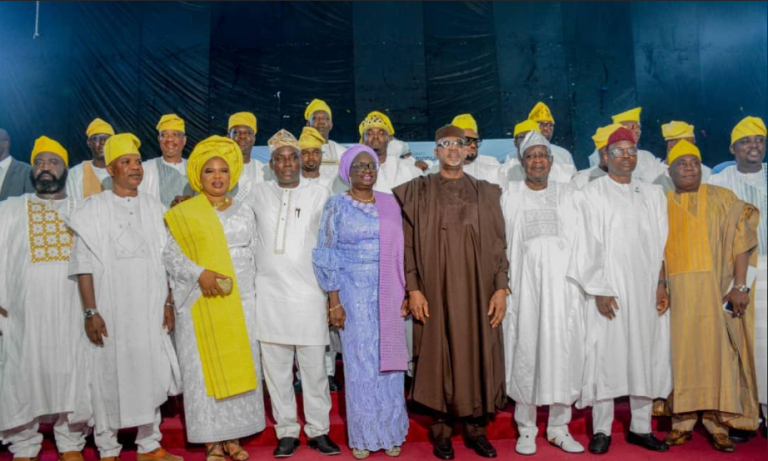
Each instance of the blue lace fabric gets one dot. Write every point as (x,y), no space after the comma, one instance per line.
(347,260)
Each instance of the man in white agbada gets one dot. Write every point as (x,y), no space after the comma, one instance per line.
(319,116)
(42,366)
(748,180)
(242,129)
(600,138)
(376,131)
(617,259)
(165,177)
(290,305)
(544,325)
(512,170)
(543,117)
(90,177)
(473,164)
(116,258)
(649,167)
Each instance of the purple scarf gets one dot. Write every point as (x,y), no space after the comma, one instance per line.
(392,349)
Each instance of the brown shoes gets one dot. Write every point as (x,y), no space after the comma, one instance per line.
(157,455)
(677,438)
(721,442)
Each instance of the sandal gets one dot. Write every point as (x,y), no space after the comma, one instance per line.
(237,453)
(214,452)
(394,452)
(360,454)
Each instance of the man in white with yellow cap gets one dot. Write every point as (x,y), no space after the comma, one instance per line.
(512,170)
(600,138)
(674,132)
(313,165)
(242,129)
(376,132)
(165,177)
(319,116)
(747,179)
(128,307)
(543,116)
(290,305)
(476,165)
(90,177)
(42,373)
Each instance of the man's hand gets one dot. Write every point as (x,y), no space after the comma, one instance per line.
(169,319)
(96,330)
(606,306)
(497,307)
(3,313)
(418,305)
(180,198)
(422,165)
(662,299)
(739,300)
(405,311)
(208,284)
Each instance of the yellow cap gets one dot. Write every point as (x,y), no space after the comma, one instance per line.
(527,125)
(244,119)
(119,145)
(170,122)
(632,115)
(676,130)
(465,122)
(749,126)
(310,139)
(46,144)
(683,147)
(316,105)
(99,126)
(603,133)
(541,113)
(214,146)
(376,120)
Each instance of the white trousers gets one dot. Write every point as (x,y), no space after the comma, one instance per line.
(278,372)
(642,410)
(148,439)
(559,418)
(331,352)
(26,441)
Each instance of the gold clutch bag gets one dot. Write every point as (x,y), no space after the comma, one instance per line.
(225,285)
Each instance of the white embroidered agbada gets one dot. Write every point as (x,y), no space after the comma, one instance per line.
(290,305)
(120,240)
(165,181)
(42,367)
(753,189)
(75,180)
(618,252)
(544,325)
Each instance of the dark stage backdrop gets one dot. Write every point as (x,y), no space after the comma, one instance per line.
(421,62)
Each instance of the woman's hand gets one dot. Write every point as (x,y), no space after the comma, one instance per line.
(208,284)
(405,310)
(337,316)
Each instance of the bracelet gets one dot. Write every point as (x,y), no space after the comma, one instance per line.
(663,282)
(170,305)
(334,308)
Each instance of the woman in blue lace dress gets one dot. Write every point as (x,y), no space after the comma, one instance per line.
(358,261)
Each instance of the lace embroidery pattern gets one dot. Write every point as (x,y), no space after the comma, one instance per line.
(49,238)
(542,221)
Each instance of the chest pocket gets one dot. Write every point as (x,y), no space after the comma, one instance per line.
(130,244)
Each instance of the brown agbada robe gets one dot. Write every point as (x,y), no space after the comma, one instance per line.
(455,253)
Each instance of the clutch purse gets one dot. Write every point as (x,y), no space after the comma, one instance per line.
(225,285)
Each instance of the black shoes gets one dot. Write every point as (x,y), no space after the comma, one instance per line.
(443,449)
(647,441)
(481,446)
(286,447)
(333,384)
(741,436)
(324,445)
(600,443)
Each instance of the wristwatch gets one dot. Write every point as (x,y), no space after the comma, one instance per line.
(742,288)
(88,313)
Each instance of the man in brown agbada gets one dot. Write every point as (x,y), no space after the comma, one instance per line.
(456,278)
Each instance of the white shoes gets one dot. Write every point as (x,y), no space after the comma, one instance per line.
(526,444)
(565,442)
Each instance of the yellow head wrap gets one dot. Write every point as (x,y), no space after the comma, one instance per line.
(603,133)
(541,113)
(283,138)
(465,122)
(684,147)
(676,130)
(119,145)
(528,125)
(316,105)
(632,115)
(214,146)
(46,144)
(99,126)
(170,122)
(749,126)
(310,139)
(376,120)
(244,119)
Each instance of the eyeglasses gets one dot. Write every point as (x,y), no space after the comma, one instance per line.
(628,152)
(447,143)
(357,166)
(474,141)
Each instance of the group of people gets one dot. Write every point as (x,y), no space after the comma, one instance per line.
(481,281)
